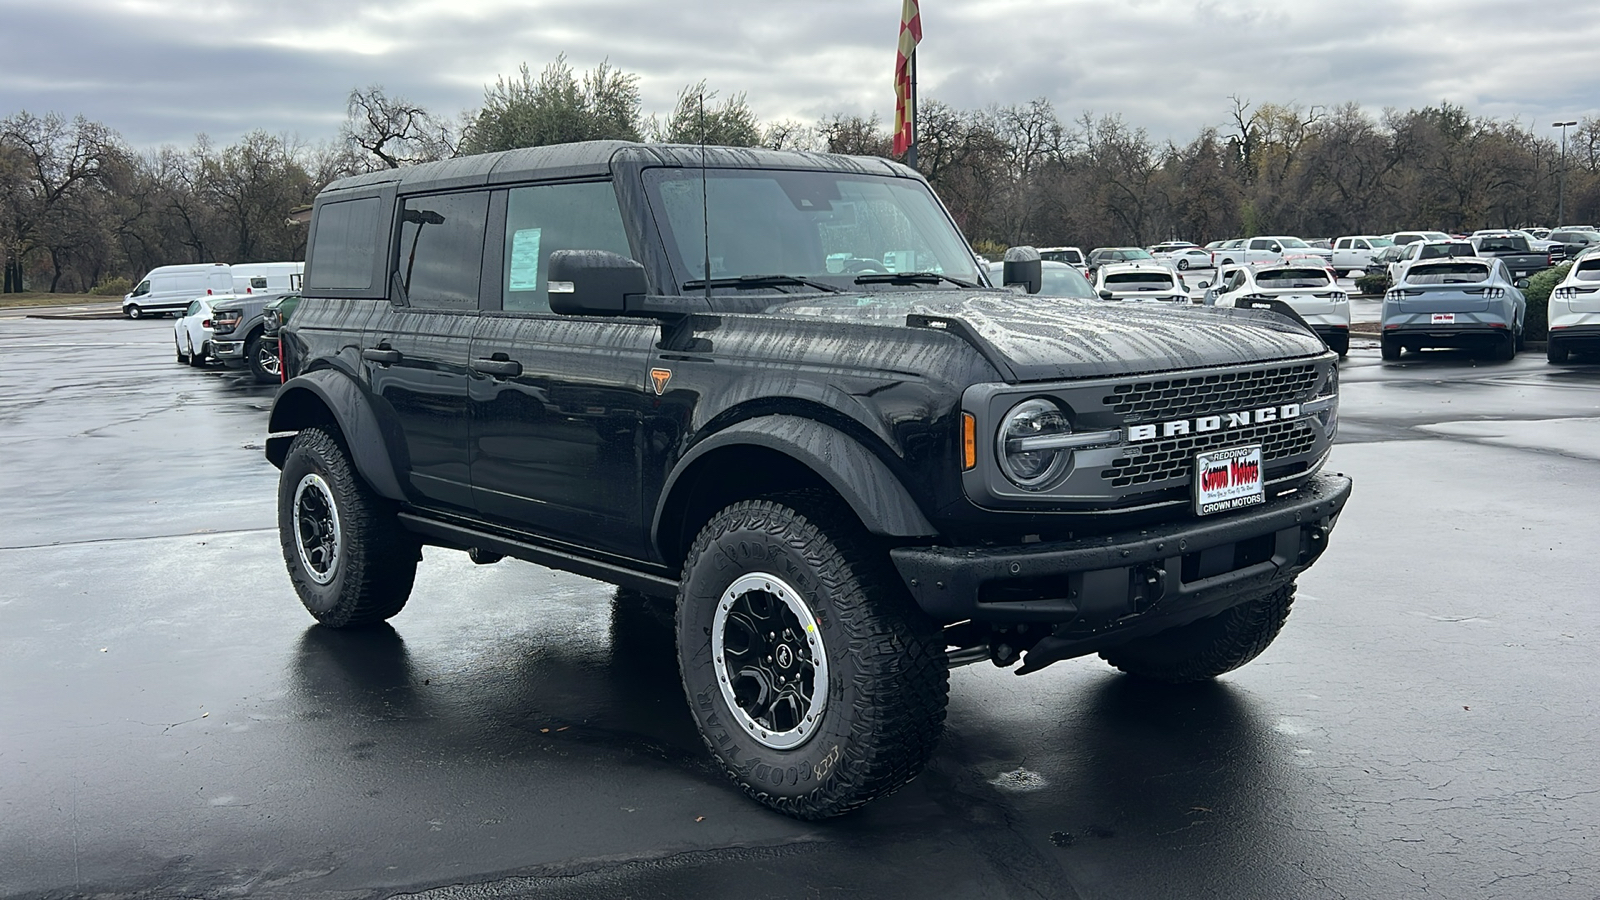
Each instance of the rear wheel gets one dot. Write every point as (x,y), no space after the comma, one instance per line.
(1390,348)
(182,356)
(197,358)
(1555,351)
(1340,344)
(1202,650)
(1506,350)
(815,681)
(349,559)
(1183,265)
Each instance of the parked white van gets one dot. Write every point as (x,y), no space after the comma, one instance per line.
(168,289)
(269,277)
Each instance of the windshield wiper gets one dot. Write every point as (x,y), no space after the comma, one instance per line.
(760,281)
(910,278)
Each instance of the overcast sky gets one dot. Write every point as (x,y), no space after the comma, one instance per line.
(160,71)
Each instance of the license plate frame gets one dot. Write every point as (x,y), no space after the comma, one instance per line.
(1229,478)
(1444,319)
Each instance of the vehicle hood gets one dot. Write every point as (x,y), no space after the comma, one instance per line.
(1033,339)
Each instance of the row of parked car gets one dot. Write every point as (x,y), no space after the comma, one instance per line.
(239,332)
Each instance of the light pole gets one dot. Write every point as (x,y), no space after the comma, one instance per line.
(1561,192)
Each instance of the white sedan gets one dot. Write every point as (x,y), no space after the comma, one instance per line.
(191,334)
(1185,258)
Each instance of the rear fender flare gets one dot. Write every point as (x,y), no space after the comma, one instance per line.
(313,399)
(856,474)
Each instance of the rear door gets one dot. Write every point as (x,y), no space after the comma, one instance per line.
(414,356)
(557,401)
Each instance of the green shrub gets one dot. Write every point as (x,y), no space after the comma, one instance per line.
(112,287)
(1373,285)
(1537,325)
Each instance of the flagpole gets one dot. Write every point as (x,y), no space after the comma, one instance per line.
(911,152)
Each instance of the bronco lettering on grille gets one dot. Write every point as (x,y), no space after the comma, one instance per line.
(1180,427)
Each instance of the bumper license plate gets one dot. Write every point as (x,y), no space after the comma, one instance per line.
(1227,479)
(1444,318)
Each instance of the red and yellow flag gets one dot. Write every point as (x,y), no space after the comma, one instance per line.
(910,36)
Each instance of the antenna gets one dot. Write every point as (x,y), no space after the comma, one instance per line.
(705,215)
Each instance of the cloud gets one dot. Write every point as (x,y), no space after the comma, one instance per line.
(161,70)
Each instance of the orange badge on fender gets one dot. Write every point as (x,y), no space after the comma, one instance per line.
(659,378)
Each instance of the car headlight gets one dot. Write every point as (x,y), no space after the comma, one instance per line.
(1032,452)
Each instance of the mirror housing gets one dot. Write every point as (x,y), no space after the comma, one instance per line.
(1203,285)
(594,283)
(1520,284)
(1107,295)
(1023,266)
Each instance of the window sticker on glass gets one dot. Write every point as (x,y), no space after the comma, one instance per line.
(524,275)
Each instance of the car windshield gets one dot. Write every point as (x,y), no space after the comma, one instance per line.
(1448,273)
(1292,278)
(1380,242)
(1437,251)
(1059,281)
(1131,254)
(825,227)
(1071,257)
(1503,244)
(1294,242)
(1139,281)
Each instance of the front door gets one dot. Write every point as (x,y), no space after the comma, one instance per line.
(558,401)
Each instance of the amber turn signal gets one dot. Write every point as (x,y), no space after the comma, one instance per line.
(969,442)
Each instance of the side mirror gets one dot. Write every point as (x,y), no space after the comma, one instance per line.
(1521,284)
(1204,284)
(1276,248)
(1023,266)
(593,282)
(1107,295)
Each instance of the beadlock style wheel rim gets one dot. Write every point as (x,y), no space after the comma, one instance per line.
(316,528)
(770,662)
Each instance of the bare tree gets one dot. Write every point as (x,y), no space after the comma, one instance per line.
(394,131)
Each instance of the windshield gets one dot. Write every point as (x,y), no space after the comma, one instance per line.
(1292,278)
(1138,281)
(1380,242)
(1436,251)
(1294,242)
(828,227)
(1503,244)
(1071,257)
(1448,273)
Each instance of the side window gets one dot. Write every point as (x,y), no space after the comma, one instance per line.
(1342,244)
(441,249)
(546,218)
(346,241)
(142,289)
(1258,244)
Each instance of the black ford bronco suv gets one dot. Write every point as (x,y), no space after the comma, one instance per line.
(777,387)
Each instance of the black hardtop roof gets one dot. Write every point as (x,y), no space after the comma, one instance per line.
(599,158)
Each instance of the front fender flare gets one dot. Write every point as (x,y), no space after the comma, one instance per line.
(311,399)
(865,483)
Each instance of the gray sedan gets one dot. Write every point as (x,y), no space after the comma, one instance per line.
(1454,303)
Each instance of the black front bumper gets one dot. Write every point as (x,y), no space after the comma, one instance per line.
(1115,587)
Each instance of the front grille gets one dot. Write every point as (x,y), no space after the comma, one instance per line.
(1160,461)
(1177,398)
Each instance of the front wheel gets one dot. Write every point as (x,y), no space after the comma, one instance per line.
(133,312)
(1202,650)
(815,681)
(263,356)
(349,560)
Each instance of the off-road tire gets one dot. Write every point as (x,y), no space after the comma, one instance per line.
(1390,348)
(253,349)
(376,560)
(887,682)
(1556,352)
(1204,649)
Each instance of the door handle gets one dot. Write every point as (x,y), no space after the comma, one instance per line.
(499,368)
(381,355)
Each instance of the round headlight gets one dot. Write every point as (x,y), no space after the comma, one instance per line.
(1026,452)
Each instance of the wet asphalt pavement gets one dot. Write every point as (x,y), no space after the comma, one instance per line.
(173,725)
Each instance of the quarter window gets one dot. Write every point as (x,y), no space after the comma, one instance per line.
(342,250)
(441,249)
(546,218)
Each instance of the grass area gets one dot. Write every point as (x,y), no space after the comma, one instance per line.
(8,301)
